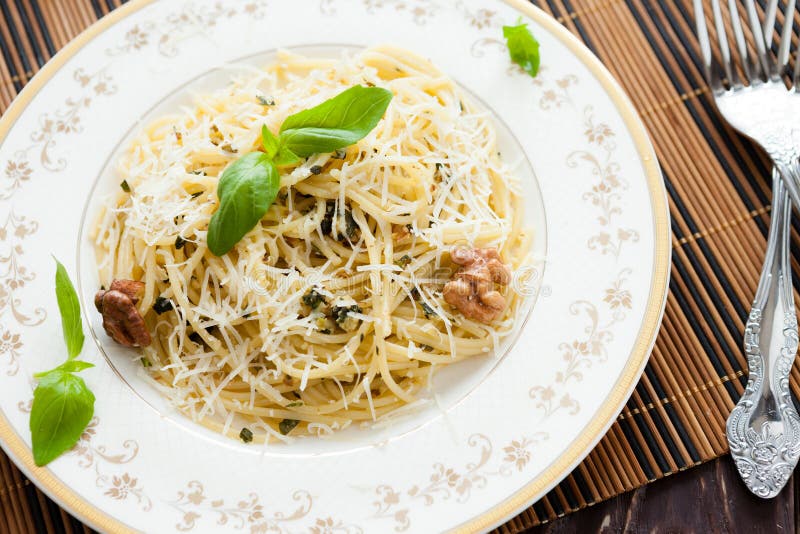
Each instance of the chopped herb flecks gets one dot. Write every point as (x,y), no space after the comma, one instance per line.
(294,404)
(350,225)
(316,169)
(403,261)
(287,425)
(125,187)
(428,311)
(341,314)
(327,221)
(350,230)
(246,435)
(265,101)
(195,195)
(162,305)
(313,299)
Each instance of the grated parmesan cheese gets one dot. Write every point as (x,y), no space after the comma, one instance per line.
(251,339)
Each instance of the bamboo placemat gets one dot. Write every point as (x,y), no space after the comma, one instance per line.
(719,201)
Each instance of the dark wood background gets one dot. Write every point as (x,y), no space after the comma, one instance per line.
(706,499)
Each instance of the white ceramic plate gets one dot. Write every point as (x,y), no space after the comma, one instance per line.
(510,426)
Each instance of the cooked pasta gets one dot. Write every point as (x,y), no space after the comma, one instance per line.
(330,311)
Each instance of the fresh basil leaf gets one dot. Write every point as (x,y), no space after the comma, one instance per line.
(69,366)
(241,171)
(246,190)
(62,407)
(269,142)
(74,366)
(285,157)
(70,310)
(336,123)
(522,47)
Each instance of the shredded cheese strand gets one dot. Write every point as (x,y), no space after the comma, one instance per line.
(366,229)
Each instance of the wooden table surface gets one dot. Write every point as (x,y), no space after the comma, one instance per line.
(705,499)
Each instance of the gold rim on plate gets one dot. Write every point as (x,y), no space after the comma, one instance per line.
(55,488)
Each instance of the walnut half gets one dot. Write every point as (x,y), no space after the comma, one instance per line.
(121,320)
(471,289)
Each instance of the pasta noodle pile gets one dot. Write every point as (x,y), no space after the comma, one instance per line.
(329,311)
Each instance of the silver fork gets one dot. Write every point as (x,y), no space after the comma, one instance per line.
(764,428)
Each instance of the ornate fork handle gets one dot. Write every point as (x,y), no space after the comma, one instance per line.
(764,427)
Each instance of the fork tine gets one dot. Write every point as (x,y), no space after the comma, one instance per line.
(705,47)
(764,60)
(741,42)
(769,21)
(725,52)
(786,35)
(786,45)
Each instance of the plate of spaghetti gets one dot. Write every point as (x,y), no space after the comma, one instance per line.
(341,266)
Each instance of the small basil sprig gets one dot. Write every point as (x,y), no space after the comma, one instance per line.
(249,185)
(522,47)
(247,189)
(336,123)
(62,403)
(70,312)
